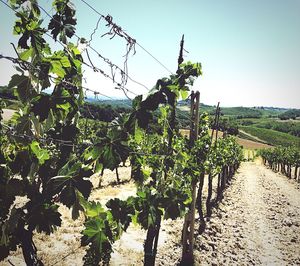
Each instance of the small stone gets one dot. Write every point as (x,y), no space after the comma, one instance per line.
(238,244)
(287,222)
(233,252)
(234,258)
(205,247)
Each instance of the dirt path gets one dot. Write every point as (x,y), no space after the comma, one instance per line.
(252,145)
(257,223)
(253,137)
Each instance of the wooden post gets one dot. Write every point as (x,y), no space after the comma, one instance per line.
(180,57)
(210,177)
(189,219)
(215,121)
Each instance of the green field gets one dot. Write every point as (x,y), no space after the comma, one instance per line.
(238,112)
(272,137)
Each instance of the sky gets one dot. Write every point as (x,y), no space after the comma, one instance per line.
(249,50)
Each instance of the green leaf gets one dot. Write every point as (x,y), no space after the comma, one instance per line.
(77,206)
(98,167)
(94,209)
(138,135)
(137,101)
(141,194)
(49,121)
(26,54)
(74,49)
(24,90)
(147,217)
(94,228)
(65,62)
(110,151)
(121,211)
(173,88)
(47,49)
(57,68)
(92,153)
(69,169)
(63,22)
(95,232)
(184,94)
(35,9)
(71,182)
(33,170)
(65,106)
(41,106)
(41,154)
(44,218)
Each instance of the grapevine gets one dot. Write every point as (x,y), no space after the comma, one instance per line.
(46,158)
(283,159)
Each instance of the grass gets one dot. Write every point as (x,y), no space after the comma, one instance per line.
(291,127)
(272,137)
(248,137)
(238,112)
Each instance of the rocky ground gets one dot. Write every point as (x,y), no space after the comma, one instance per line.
(257,223)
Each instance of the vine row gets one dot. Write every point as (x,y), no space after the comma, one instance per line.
(283,159)
(46,171)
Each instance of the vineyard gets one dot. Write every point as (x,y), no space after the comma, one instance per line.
(62,168)
(273,137)
(285,160)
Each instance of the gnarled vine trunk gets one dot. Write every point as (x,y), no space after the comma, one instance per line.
(209,195)
(28,248)
(150,246)
(199,204)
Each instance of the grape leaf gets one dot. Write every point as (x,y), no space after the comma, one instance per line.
(44,217)
(41,154)
(121,211)
(24,90)
(95,232)
(41,106)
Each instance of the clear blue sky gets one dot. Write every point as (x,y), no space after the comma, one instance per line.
(249,50)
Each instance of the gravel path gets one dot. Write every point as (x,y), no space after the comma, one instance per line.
(257,223)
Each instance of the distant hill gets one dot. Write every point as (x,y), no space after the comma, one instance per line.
(272,137)
(112,102)
(184,106)
(237,112)
(253,112)
(290,114)
(280,109)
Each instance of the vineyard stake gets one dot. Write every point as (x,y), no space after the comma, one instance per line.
(210,177)
(189,220)
(216,122)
